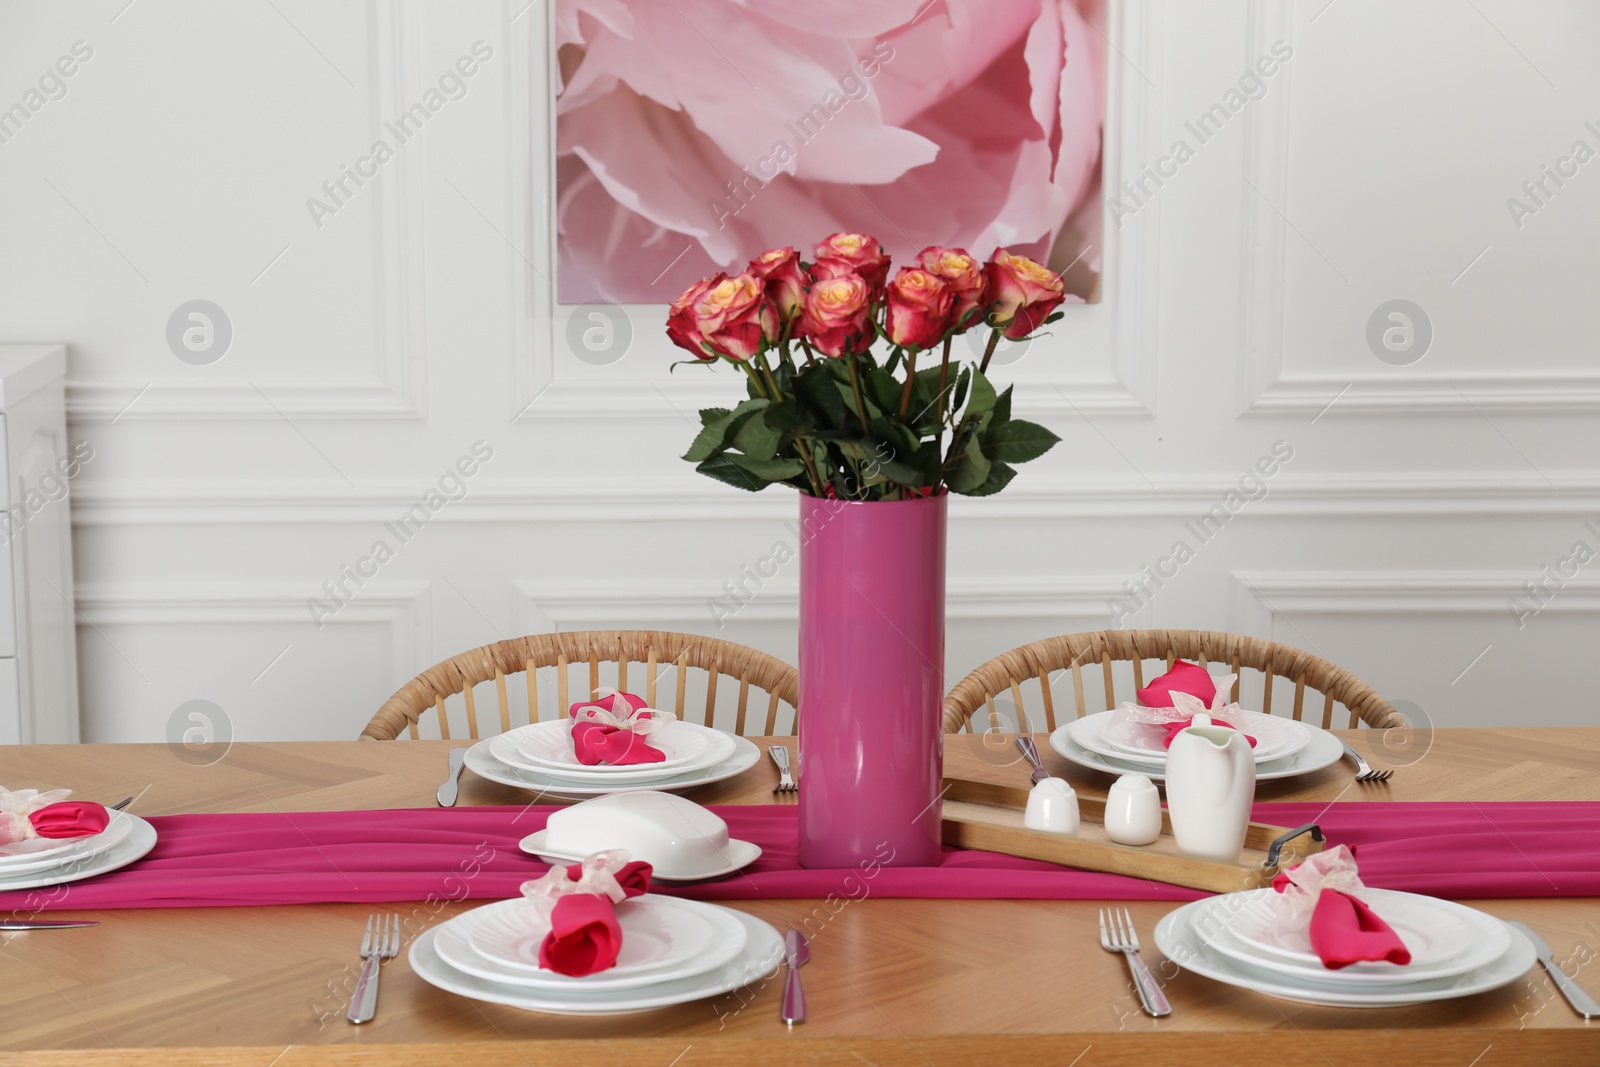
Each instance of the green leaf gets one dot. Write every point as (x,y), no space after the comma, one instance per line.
(983,397)
(722,467)
(772,470)
(970,469)
(1000,474)
(881,389)
(714,434)
(817,393)
(1018,441)
(1002,408)
(756,439)
(960,394)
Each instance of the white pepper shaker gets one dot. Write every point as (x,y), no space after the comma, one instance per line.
(1133,810)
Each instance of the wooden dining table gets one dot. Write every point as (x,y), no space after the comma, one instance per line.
(890,981)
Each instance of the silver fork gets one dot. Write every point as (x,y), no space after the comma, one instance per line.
(780,756)
(1118,935)
(1364,771)
(378,945)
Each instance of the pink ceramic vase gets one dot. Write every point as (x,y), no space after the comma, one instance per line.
(871,681)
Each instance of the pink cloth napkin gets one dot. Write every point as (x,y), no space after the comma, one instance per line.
(1461,851)
(1185,677)
(596,743)
(585,936)
(1175,728)
(1344,930)
(70,818)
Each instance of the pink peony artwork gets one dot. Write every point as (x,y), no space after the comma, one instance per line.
(694,135)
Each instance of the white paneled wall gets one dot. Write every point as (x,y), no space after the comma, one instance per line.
(228,530)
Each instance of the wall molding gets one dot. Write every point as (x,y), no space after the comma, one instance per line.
(1257,597)
(543,387)
(403,607)
(684,497)
(1266,387)
(671,603)
(398,390)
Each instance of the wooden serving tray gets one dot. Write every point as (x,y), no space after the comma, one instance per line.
(984,816)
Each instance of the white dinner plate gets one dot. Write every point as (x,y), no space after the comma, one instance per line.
(1087,733)
(507,749)
(1445,939)
(737,855)
(717,749)
(549,744)
(140,839)
(1323,751)
(760,957)
(1177,938)
(80,848)
(1276,737)
(713,937)
(482,761)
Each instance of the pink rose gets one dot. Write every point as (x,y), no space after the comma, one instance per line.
(785,280)
(836,316)
(1021,293)
(723,316)
(856,253)
(919,308)
(964,277)
(681,328)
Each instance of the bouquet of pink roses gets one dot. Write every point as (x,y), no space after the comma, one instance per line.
(823,414)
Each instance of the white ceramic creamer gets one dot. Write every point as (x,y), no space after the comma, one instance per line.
(1211,783)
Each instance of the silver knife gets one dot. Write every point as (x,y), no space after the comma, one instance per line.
(794,998)
(44,924)
(1581,1002)
(1031,750)
(447,792)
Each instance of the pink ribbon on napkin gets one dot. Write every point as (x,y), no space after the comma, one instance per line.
(609,733)
(581,901)
(1184,677)
(1343,928)
(70,818)
(1175,728)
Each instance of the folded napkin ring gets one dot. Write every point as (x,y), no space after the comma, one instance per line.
(608,874)
(624,711)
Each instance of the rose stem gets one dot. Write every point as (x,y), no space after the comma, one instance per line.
(905,390)
(861,405)
(994,339)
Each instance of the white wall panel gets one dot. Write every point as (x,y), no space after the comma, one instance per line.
(372,352)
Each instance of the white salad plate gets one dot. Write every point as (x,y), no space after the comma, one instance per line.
(139,838)
(549,744)
(507,750)
(663,939)
(762,952)
(1324,750)
(1275,737)
(1446,939)
(482,761)
(116,831)
(1183,942)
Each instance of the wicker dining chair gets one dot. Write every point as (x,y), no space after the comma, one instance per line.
(655,652)
(1044,660)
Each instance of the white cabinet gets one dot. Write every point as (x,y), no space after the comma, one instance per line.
(38,641)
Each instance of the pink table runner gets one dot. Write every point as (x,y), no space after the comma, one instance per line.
(1459,850)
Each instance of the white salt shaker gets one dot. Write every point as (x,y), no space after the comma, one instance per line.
(1052,807)
(1133,810)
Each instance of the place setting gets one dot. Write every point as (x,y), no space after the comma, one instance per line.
(591,939)
(1318,935)
(1134,738)
(612,743)
(47,839)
